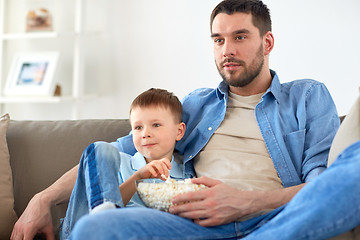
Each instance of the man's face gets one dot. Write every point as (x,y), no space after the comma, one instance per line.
(238,48)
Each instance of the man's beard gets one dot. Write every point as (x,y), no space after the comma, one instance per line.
(249,73)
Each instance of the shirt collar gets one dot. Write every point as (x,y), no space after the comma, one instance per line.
(138,161)
(222,90)
(274,89)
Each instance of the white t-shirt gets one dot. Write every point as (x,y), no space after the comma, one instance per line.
(236,154)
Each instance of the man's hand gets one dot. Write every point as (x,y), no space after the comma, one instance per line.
(219,204)
(35,219)
(37,216)
(222,204)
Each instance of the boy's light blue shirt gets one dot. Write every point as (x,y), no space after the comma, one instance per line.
(298,121)
(130,164)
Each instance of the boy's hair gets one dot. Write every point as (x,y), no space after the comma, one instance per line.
(259,11)
(159,98)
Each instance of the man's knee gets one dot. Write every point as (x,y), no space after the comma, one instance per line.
(351,154)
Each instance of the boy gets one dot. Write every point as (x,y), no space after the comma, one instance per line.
(156,123)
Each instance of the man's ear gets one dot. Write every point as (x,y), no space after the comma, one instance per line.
(268,43)
(181,131)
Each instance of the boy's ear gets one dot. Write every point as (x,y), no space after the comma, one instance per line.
(181,131)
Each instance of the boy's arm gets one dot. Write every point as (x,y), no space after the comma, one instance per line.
(154,169)
(128,188)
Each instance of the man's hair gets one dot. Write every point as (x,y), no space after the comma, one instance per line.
(159,98)
(259,11)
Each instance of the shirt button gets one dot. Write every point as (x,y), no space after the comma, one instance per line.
(190,156)
(210,128)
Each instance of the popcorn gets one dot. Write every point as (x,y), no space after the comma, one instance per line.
(159,195)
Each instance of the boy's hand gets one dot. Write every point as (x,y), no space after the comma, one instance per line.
(155,169)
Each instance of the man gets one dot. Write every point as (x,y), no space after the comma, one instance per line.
(253,141)
(252,133)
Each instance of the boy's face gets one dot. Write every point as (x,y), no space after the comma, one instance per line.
(155,131)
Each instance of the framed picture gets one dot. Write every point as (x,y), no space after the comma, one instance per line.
(38,20)
(32,74)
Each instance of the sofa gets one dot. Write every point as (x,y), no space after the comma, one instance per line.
(34,154)
(40,152)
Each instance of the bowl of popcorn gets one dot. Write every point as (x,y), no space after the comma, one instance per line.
(157,194)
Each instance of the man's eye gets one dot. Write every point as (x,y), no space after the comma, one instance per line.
(217,40)
(156,125)
(240,37)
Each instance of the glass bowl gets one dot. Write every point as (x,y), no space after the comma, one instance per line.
(157,194)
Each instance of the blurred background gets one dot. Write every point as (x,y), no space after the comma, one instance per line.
(112,50)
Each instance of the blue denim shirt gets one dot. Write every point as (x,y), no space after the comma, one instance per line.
(298,121)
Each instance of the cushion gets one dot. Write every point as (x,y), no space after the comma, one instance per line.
(7,213)
(348,133)
(42,151)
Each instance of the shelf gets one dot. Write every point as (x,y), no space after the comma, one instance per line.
(35,99)
(45,99)
(45,35)
(34,35)
(67,38)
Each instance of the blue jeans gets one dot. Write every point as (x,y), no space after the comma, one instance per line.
(145,223)
(97,181)
(324,208)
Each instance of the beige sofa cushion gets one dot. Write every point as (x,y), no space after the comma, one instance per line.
(42,151)
(7,213)
(348,133)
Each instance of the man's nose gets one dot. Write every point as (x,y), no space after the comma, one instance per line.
(229,49)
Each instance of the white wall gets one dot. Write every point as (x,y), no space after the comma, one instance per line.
(166,43)
(319,39)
